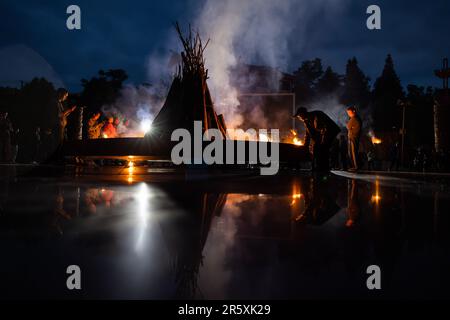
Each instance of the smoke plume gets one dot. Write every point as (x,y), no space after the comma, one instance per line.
(255,32)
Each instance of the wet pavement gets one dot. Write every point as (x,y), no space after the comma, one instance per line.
(139,233)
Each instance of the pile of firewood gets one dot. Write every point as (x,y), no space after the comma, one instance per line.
(189,98)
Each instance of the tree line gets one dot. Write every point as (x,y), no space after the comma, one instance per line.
(33,105)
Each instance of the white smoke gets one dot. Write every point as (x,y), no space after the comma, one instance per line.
(333,108)
(254,31)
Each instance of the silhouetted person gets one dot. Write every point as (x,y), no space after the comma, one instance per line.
(14,144)
(62,95)
(334,154)
(371,160)
(320,134)
(47,145)
(394,157)
(320,206)
(37,145)
(343,152)
(354,126)
(5,137)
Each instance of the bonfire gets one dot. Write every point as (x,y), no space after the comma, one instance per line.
(189,98)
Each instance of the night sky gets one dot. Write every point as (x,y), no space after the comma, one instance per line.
(124,34)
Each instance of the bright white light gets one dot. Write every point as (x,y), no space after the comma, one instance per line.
(146,125)
(142,197)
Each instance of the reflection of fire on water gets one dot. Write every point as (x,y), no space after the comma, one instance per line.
(295,139)
(376,197)
(130,170)
(296,194)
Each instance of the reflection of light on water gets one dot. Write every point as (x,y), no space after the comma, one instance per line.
(142,197)
(296,193)
(233,202)
(130,170)
(376,197)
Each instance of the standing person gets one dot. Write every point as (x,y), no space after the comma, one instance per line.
(394,157)
(94,127)
(63,113)
(320,134)
(334,154)
(37,145)
(354,126)
(47,145)
(5,137)
(14,144)
(370,160)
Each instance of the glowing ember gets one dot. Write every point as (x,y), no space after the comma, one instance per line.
(105,136)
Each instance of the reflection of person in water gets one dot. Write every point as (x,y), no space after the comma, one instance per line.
(94,197)
(58,211)
(355,244)
(319,205)
(353,208)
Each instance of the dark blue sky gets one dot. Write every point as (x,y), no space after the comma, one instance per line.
(122,34)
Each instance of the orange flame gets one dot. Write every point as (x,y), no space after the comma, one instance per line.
(295,140)
(375,140)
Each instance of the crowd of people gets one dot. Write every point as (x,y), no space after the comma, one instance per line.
(46,145)
(330,148)
(43,143)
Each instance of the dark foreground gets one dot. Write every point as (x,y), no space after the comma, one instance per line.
(163,234)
